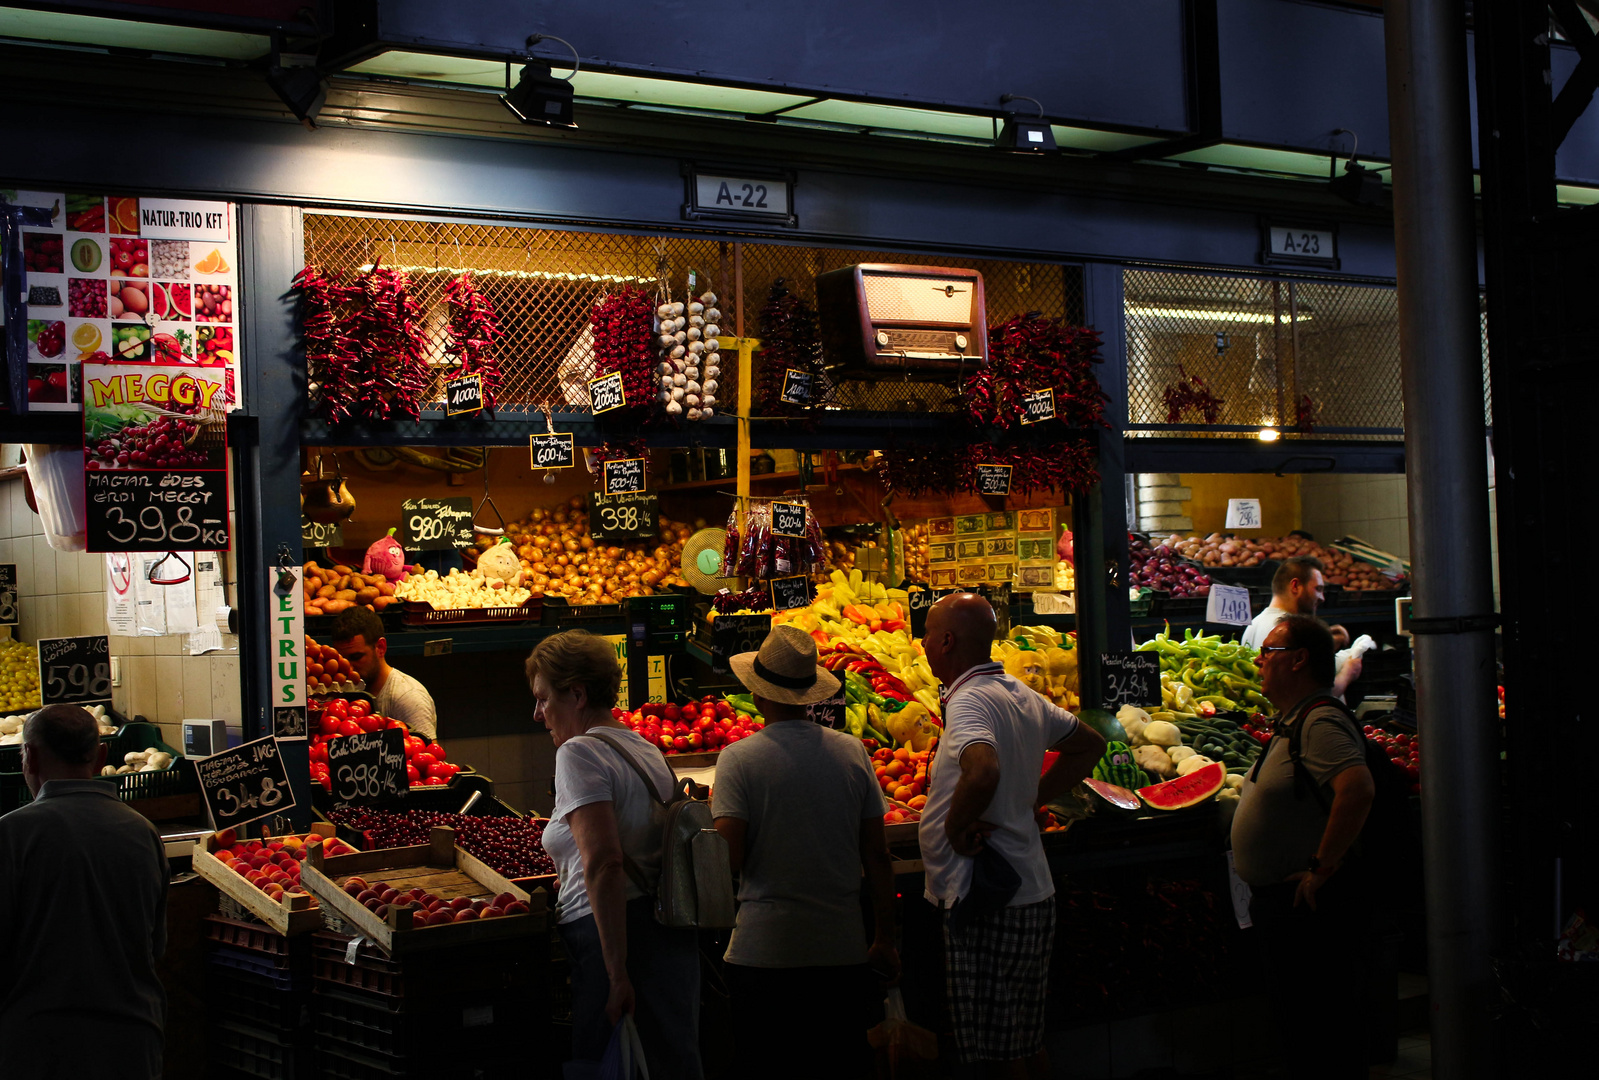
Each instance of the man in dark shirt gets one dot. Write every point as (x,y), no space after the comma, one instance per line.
(83,897)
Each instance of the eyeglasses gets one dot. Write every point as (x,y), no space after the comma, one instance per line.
(1277,648)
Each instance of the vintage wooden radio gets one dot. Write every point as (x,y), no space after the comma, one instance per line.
(882,321)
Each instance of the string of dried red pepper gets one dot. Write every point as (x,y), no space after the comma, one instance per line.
(473,333)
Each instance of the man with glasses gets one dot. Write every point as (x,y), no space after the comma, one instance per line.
(1300,810)
(1298,588)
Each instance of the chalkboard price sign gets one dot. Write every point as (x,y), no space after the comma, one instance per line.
(1129,678)
(796,387)
(245,783)
(316,534)
(734,634)
(550,451)
(624,517)
(368,768)
(436,524)
(156,510)
(791,592)
(74,670)
(993,479)
(624,476)
(463,396)
(788,519)
(8,594)
(1038,406)
(605,393)
(919,603)
(829,713)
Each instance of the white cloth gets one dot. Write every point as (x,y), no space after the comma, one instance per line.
(589,771)
(1256,631)
(405,699)
(992,707)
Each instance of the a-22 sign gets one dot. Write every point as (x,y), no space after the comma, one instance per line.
(765,197)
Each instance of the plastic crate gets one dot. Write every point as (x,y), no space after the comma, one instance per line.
(1253,577)
(337,1062)
(257,939)
(557,612)
(247,999)
(264,968)
(251,1051)
(1185,607)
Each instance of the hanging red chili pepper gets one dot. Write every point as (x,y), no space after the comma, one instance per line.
(473,333)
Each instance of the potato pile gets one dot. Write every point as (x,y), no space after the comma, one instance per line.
(329,591)
(561,559)
(1219,550)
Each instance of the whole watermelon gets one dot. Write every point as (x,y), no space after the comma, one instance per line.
(1105,723)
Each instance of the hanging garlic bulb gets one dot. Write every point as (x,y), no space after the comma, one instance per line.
(696,308)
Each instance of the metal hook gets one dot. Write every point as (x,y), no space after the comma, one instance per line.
(488,500)
(187,570)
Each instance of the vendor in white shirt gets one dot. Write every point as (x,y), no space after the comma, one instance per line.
(1298,588)
(358,636)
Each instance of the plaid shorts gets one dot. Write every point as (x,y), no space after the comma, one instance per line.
(995,973)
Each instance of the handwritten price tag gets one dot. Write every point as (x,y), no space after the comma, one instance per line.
(796,387)
(463,396)
(1129,678)
(550,451)
(993,479)
(245,783)
(436,524)
(624,476)
(1243,514)
(1228,605)
(788,519)
(623,517)
(368,768)
(734,634)
(73,670)
(606,393)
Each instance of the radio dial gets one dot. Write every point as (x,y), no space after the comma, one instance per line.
(960,342)
(882,339)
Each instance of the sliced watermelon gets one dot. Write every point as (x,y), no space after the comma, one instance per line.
(1114,794)
(1185,791)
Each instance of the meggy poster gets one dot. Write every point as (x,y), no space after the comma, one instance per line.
(116,278)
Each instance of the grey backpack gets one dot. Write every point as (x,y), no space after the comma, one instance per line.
(695,887)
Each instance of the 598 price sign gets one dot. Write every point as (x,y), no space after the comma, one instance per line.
(74,670)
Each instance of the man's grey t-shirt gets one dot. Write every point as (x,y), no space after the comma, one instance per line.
(804,791)
(1275,832)
(83,895)
(404,699)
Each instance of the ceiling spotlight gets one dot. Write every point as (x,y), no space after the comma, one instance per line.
(1358,185)
(298,84)
(1269,434)
(538,96)
(1021,135)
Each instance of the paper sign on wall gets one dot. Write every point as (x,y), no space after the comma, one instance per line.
(120,617)
(1228,605)
(1243,514)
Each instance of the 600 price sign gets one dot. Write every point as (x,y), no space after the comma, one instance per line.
(74,670)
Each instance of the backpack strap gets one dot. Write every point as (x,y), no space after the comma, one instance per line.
(1296,735)
(633,869)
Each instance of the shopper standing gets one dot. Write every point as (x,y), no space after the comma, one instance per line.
(602,833)
(1293,828)
(83,902)
(985,862)
(802,813)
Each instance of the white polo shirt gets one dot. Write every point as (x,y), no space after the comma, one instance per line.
(985,705)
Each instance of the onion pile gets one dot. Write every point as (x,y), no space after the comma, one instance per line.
(1163,568)
(561,559)
(1340,568)
(687,336)
(511,846)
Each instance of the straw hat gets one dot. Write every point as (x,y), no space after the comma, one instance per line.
(785,669)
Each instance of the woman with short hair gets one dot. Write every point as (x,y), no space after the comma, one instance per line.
(605,841)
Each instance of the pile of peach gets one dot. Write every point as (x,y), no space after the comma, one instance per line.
(430,910)
(273,865)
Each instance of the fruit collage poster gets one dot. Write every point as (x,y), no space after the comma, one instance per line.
(141,280)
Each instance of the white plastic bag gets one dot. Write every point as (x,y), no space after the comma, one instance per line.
(56,474)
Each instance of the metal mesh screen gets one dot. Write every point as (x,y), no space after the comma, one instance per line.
(543,284)
(1263,347)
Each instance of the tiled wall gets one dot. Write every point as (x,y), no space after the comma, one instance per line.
(1370,507)
(63,594)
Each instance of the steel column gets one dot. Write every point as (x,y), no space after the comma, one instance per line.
(1446,470)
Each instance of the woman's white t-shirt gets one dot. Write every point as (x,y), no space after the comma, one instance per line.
(588,770)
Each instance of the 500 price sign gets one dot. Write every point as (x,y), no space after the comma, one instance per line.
(74,670)
(245,783)
(155,510)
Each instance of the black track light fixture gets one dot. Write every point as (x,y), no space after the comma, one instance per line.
(1358,185)
(297,82)
(539,97)
(1022,135)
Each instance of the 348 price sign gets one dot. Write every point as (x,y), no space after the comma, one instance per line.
(74,670)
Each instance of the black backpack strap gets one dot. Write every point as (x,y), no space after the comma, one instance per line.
(1296,734)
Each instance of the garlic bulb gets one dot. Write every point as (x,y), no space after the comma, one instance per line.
(678,351)
(692,387)
(692,399)
(696,347)
(673,408)
(665,340)
(706,412)
(696,308)
(710,385)
(664,368)
(712,331)
(708,298)
(708,399)
(677,308)
(711,344)
(680,337)
(664,310)
(677,394)
(696,320)
(679,379)
(713,315)
(692,372)
(694,414)
(693,333)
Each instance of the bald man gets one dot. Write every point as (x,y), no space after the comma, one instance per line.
(83,895)
(980,814)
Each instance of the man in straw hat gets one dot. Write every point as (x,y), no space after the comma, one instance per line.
(985,864)
(803,815)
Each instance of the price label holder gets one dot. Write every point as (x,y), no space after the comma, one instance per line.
(550,451)
(734,634)
(74,670)
(9,612)
(791,592)
(1228,605)
(796,387)
(463,396)
(316,534)
(1129,678)
(436,524)
(788,519)
(245,783)
(606,393)
(993,479)
(368,768)
(624,476)
(1038,406)
(1243,514)
(624,518)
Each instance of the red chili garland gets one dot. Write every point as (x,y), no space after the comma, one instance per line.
(1032,353)
(624,340)
(1191,391)
(473,333)
(365,348)
(331,360)
(1067,465)
(789,339)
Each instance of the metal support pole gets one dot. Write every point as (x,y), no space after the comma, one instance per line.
(1446,472)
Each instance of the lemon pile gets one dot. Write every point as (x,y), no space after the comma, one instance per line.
(19,676)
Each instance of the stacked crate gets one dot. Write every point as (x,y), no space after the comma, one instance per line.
(258,985)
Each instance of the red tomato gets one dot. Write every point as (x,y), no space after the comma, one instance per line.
(329,724)
(319,753)
(369,722)
(413,745)
(414,773)
(424,761)
(437,750)
(441,768)
(349,727)
(435,781)
(360,707)
(338,707)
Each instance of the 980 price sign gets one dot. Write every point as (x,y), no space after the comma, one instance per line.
(74,670)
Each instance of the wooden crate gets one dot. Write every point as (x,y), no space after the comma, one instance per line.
(439,867)
(296,913)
